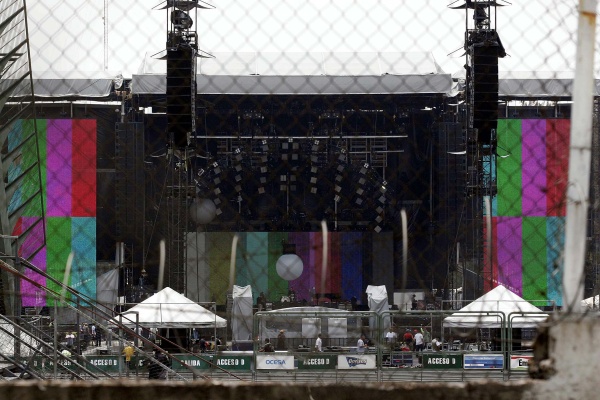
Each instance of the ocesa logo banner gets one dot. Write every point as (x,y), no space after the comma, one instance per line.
(355,361)
(274,362)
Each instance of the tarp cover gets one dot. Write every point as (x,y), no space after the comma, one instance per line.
(169,309)
(378,302)
(107,287)
(73,84)
(498,300)
(241,313)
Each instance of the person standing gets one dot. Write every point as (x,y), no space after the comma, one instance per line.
(419,341)
(93,334)
(281,340)
(319,343)
(70,339)
(202,344)
(128,352)
(166,361)
(414,302)
(408,339)
(261,302)
(391,336)
(361,345)
(426,335)
(436,345)
(98,337)
(268,347)
(158,367)
(109,334)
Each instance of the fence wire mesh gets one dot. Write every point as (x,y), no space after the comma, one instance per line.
(342,173)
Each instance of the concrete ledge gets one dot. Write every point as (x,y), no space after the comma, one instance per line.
(144,390)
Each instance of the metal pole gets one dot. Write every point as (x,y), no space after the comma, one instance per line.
(78,321)
(120,358)
(55,369)
(579,158)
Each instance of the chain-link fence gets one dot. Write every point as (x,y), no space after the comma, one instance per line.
(364,178)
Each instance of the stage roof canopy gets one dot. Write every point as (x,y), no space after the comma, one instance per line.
(305,74)
(315,73)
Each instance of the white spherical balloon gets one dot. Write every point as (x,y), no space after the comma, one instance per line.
(289,267)
(203,211)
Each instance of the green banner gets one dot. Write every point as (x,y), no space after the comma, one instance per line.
(46,364)
(108,363)
(237,363)
(92,363)
(317,361)
(442,361)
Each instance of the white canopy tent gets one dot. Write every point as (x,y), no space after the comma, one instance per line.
(494,309)
(241,314)
(591,303)
(169,309)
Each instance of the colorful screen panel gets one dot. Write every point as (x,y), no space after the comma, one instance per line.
(528,213)
(350,265)
(67,151)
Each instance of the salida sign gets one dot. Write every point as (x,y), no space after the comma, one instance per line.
(442,361)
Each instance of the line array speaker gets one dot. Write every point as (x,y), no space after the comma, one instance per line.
(181,94)
(485,91)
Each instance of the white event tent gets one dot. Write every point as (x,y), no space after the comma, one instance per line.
(591,303)
(494,310)
(170,309)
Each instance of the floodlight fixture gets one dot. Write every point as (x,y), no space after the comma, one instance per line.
(181,20)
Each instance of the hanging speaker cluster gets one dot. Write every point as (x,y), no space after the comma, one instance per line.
(181,94)
(484,78)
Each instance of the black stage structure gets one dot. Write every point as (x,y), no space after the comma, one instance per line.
(284,152)
(425,178)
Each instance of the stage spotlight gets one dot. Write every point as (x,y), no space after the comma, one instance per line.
(181,20)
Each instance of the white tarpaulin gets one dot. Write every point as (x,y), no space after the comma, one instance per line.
(169,309)
(494,309)
(107,287)
(378,302)
(241,313)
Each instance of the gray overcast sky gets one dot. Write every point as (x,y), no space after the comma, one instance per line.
(67,35)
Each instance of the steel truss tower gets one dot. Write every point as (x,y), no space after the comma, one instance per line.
(482,49)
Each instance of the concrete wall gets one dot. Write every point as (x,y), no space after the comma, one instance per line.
(142,390)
